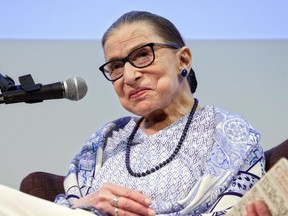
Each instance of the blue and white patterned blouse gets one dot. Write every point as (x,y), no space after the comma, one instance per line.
(219,161)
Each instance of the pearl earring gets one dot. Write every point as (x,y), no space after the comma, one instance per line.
(184,72)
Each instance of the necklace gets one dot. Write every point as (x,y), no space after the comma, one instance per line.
(169,159)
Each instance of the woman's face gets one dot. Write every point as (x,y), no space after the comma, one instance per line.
(146,90)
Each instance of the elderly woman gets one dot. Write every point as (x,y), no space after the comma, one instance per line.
(173,157)
(177,158)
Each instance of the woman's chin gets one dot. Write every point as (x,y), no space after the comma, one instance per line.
(140,110)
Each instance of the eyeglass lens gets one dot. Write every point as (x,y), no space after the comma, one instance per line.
(140,58)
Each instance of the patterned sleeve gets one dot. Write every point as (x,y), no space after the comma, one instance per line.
(251,171)
(236,129)
(86,164)
(84,160)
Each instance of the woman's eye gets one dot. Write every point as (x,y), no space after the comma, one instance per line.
(115,65)
(141,53)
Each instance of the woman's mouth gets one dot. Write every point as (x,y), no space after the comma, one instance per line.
(135,94)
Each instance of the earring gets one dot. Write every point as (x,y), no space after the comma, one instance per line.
(184,72)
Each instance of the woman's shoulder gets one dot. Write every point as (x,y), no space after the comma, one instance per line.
(222,116)
(234,126)
(100,135)
(122,121)
(114,125)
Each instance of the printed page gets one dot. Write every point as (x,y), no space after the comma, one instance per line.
(272,188)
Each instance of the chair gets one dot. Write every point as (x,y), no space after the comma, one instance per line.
(48,185)
(274,154)
(43,185)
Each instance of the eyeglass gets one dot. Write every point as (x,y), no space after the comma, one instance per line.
(141,57)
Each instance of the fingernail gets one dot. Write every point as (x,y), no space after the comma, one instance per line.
(148,201)
(151,212)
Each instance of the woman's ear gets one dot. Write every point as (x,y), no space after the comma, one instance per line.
(184,56)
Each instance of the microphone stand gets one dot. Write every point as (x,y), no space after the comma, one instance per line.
(26,83)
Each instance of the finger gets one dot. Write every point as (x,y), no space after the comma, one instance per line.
(137,197)
(249,210)
(257,208)
(121,212)
(128,193)
(261,208)
(132,206)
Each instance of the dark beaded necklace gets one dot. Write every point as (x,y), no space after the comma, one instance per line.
(168,160)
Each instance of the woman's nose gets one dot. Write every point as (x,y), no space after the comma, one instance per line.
(130,74)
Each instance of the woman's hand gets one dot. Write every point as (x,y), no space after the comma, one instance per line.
(117,200)
(257,208)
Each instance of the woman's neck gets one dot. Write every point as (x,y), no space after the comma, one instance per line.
(161,119)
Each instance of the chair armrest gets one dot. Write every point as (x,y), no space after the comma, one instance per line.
(274,154)
(43,185)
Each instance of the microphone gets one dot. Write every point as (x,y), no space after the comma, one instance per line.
(74,88)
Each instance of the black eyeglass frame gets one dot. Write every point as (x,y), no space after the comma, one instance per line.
(126,59)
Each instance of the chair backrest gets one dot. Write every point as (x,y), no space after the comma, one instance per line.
(274,154)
